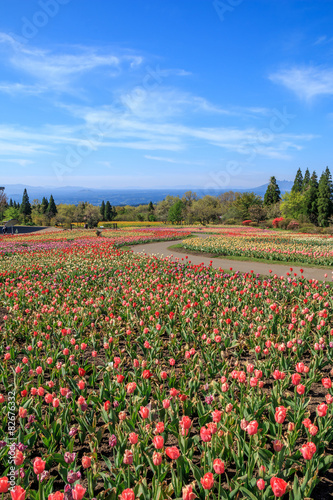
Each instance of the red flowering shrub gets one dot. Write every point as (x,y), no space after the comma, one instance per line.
(275,222)
(246,222)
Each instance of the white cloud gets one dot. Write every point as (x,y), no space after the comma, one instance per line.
(173,160)
(306,82)
(19,88)
(58,69)
(17,161)
(140,132)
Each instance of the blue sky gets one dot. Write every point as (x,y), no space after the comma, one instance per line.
(164,93)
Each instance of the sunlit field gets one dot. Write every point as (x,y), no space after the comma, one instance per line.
(135,377)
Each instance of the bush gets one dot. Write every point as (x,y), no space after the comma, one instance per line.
(308,228)
(326,230)
(266,224)
(277,222)
(254,224)
(284,223)
(246,222)
(98,232)
(293,225)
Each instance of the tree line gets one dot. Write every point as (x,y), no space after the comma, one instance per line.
(310,201)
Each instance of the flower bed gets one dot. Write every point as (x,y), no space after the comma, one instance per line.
(128,376)
(270,246)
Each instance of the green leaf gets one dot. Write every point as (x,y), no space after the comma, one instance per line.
(248,493)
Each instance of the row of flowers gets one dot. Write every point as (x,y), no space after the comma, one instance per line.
(82,238)
(307,250)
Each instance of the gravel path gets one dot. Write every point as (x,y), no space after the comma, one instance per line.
(161,249)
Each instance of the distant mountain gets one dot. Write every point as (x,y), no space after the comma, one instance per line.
(283,185)
(75,194)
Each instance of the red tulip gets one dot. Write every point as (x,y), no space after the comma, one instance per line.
(205,434)
(4,484)
(207,481)
(86,462)
(144,412)
(322,409)
(327,383)
(56,496)
(185,422)
(308,450)
(296,378)
(188,494)
(218,466)
(252,428)
(158,442)
(216,416)
(128,457)
(127,494)
(17,493)
(39,465)
(78,492)
(261,484)
(280,414)
(279,486)
(172,452)
(157,458)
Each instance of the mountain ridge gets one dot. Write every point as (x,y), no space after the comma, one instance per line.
(75,194)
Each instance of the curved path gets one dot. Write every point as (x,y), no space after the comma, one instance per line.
(161,248)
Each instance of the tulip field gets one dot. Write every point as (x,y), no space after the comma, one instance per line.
(132,377)
(269,245)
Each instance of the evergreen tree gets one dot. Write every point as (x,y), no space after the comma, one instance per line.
(107,213)
(11,203)
(306,180)
(25,207)
(298,182)
(176,212)
(151,207)
(44,205)
(102,210)
(325,198)
(15,204)
(273,194)
(311,199)
(113,213)
(51,208)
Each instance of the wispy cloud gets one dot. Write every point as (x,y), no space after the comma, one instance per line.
(58,68)
(172,160)
(323,40)
(140,132)
(19,88)
(164,101)
(17,161)
(306,82)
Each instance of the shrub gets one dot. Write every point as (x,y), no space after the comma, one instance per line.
(307,228)
(254,224)
(231,222)
(284,223)
(266,224)
(293,225)
(277,221)
(246,222)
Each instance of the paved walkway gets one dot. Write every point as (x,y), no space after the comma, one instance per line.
(161,248)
